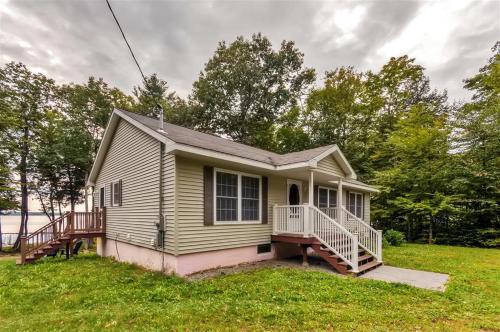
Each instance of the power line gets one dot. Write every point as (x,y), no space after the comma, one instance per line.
(126,41)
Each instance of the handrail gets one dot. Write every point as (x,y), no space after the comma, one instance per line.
(370,239)
(335,237)
(70,223)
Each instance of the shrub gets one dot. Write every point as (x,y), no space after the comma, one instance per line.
(385,243)
(395,238)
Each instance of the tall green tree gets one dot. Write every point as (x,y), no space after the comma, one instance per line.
(247,86)
(340,112)
(415,189)
(28,96)
(478,147)
(153,94)
(87,108)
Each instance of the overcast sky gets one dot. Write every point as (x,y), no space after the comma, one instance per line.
(71,40)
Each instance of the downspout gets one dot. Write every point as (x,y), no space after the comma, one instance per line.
(160,243)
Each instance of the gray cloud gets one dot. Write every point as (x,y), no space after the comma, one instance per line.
(71,40)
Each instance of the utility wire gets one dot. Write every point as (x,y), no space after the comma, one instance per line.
(126,41)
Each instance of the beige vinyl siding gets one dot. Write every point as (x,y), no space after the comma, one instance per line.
(133,157)
(330,165)
(366,207)
(193,235)
(169,201)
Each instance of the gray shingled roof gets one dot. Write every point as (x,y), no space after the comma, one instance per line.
(197,139)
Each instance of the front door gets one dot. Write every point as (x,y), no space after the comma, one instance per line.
(294,192)
(294,197)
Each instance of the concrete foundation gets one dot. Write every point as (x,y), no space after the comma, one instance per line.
(190,263)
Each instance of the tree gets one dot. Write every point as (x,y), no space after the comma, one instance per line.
(477,142)
(340,113)
(398,86)
(247,86)
(87,108)
(27,96)
(415,189)
(154,94)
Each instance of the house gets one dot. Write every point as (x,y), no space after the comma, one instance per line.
(181,201)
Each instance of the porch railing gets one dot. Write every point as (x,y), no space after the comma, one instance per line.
(309,221)
(330,212)
(369,238)
(335,237)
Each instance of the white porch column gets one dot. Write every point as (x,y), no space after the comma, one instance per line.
(311,188)
(339,202)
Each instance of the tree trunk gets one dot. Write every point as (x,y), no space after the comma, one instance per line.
(23,172)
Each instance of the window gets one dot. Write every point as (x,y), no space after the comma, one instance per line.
(116,192)
(237,197)
(249,198)
(102,197)
(355,204)
(327,198)
(322,197)
(227,196)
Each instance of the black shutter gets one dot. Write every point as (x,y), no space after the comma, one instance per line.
(111,190)
(265,210)
(208,194)
(316,195)
(120,187)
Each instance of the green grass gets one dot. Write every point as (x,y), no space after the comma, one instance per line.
(91,293)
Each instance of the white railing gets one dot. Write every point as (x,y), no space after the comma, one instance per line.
(290,219)
(335,237)
(331,212)
(369,238)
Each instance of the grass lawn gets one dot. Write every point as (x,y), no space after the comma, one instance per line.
(91,293)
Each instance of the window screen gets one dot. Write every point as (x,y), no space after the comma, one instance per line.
(227,196)
(332,198)
(116,193)
(249,198)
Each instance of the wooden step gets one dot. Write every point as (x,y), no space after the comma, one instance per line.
(367,267)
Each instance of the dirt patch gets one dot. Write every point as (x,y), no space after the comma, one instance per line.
(315,264)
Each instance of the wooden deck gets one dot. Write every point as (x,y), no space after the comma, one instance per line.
(62,232)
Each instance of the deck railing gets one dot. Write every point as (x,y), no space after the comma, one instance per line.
(70,223)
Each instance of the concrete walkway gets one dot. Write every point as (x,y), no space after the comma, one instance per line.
(420,279)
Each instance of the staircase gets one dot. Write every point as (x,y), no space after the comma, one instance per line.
(347,243)
(61,232)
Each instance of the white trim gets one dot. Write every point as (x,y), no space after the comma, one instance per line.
(364,187)
(238,198)
(339,157)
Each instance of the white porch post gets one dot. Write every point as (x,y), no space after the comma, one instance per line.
(311,188)
(339,202)
(308,220)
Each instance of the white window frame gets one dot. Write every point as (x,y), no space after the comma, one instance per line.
(328,196)
(113,203)
(239,221)
(355,203)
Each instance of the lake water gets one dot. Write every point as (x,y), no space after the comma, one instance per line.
(11,223)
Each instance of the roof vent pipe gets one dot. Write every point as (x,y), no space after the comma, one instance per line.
(160,119)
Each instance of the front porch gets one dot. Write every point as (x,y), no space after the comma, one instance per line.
(329,219)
